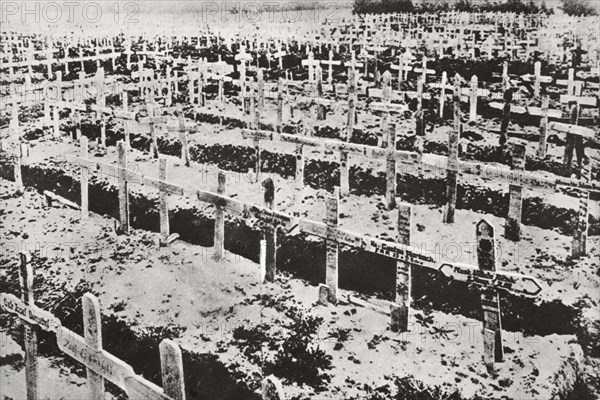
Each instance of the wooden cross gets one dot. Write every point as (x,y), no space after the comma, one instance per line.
(88,349)
(489,280)
(453,148)
(330,65)
(424,71)
(311,63)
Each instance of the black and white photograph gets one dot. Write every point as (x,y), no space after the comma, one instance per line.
(300,200)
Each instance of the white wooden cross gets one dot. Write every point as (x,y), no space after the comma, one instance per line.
(330,65)
(279,55)
(311,63)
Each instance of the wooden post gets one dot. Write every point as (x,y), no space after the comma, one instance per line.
(21,152)
(263,261)
(280,105)
(452,173)
(299,153)
(123,189)
(221,89)
(400,70)
(571,82)
(169,87)
(56,125)
(332,246)
(163,207)
(154,142)
(473,99)
(512,229)
(490,300)
(506,116)
(344,174)
(457,110)
(77,120)
(351,103)
(443,93)
(171,363)
(83,141)
(261,93)
(219,235)
(183,137)
(47,114)
(544,128)
(318,96)
(579,246)
(92,332)
(574,120)
(256,160)
(401,310)
(29,330)
(125,100)
(270,237)
(271,389)
(390,190)
(505,78)
(538,77)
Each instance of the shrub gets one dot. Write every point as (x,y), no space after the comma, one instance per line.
(578,8)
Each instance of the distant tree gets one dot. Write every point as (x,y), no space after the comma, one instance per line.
(578,8)
(464,6)
(382,6)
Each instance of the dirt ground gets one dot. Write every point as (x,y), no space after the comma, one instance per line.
(177,286)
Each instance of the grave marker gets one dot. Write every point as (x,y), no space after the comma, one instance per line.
(22,151)
(579,246)
(29,330)
(171,363)
(344,174)
(310,63)
(219,234)
(123,189)
(544,128)
(351,104)
(401,309)
(443,93)
(452,173)
(512,229)
(332,246)
(92,322)
(163,205)
(270,233)
(83,143)
(280,105)
(473,99)
(390,193)
(183,137)
(299,156)
(538,75)
(490,299)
